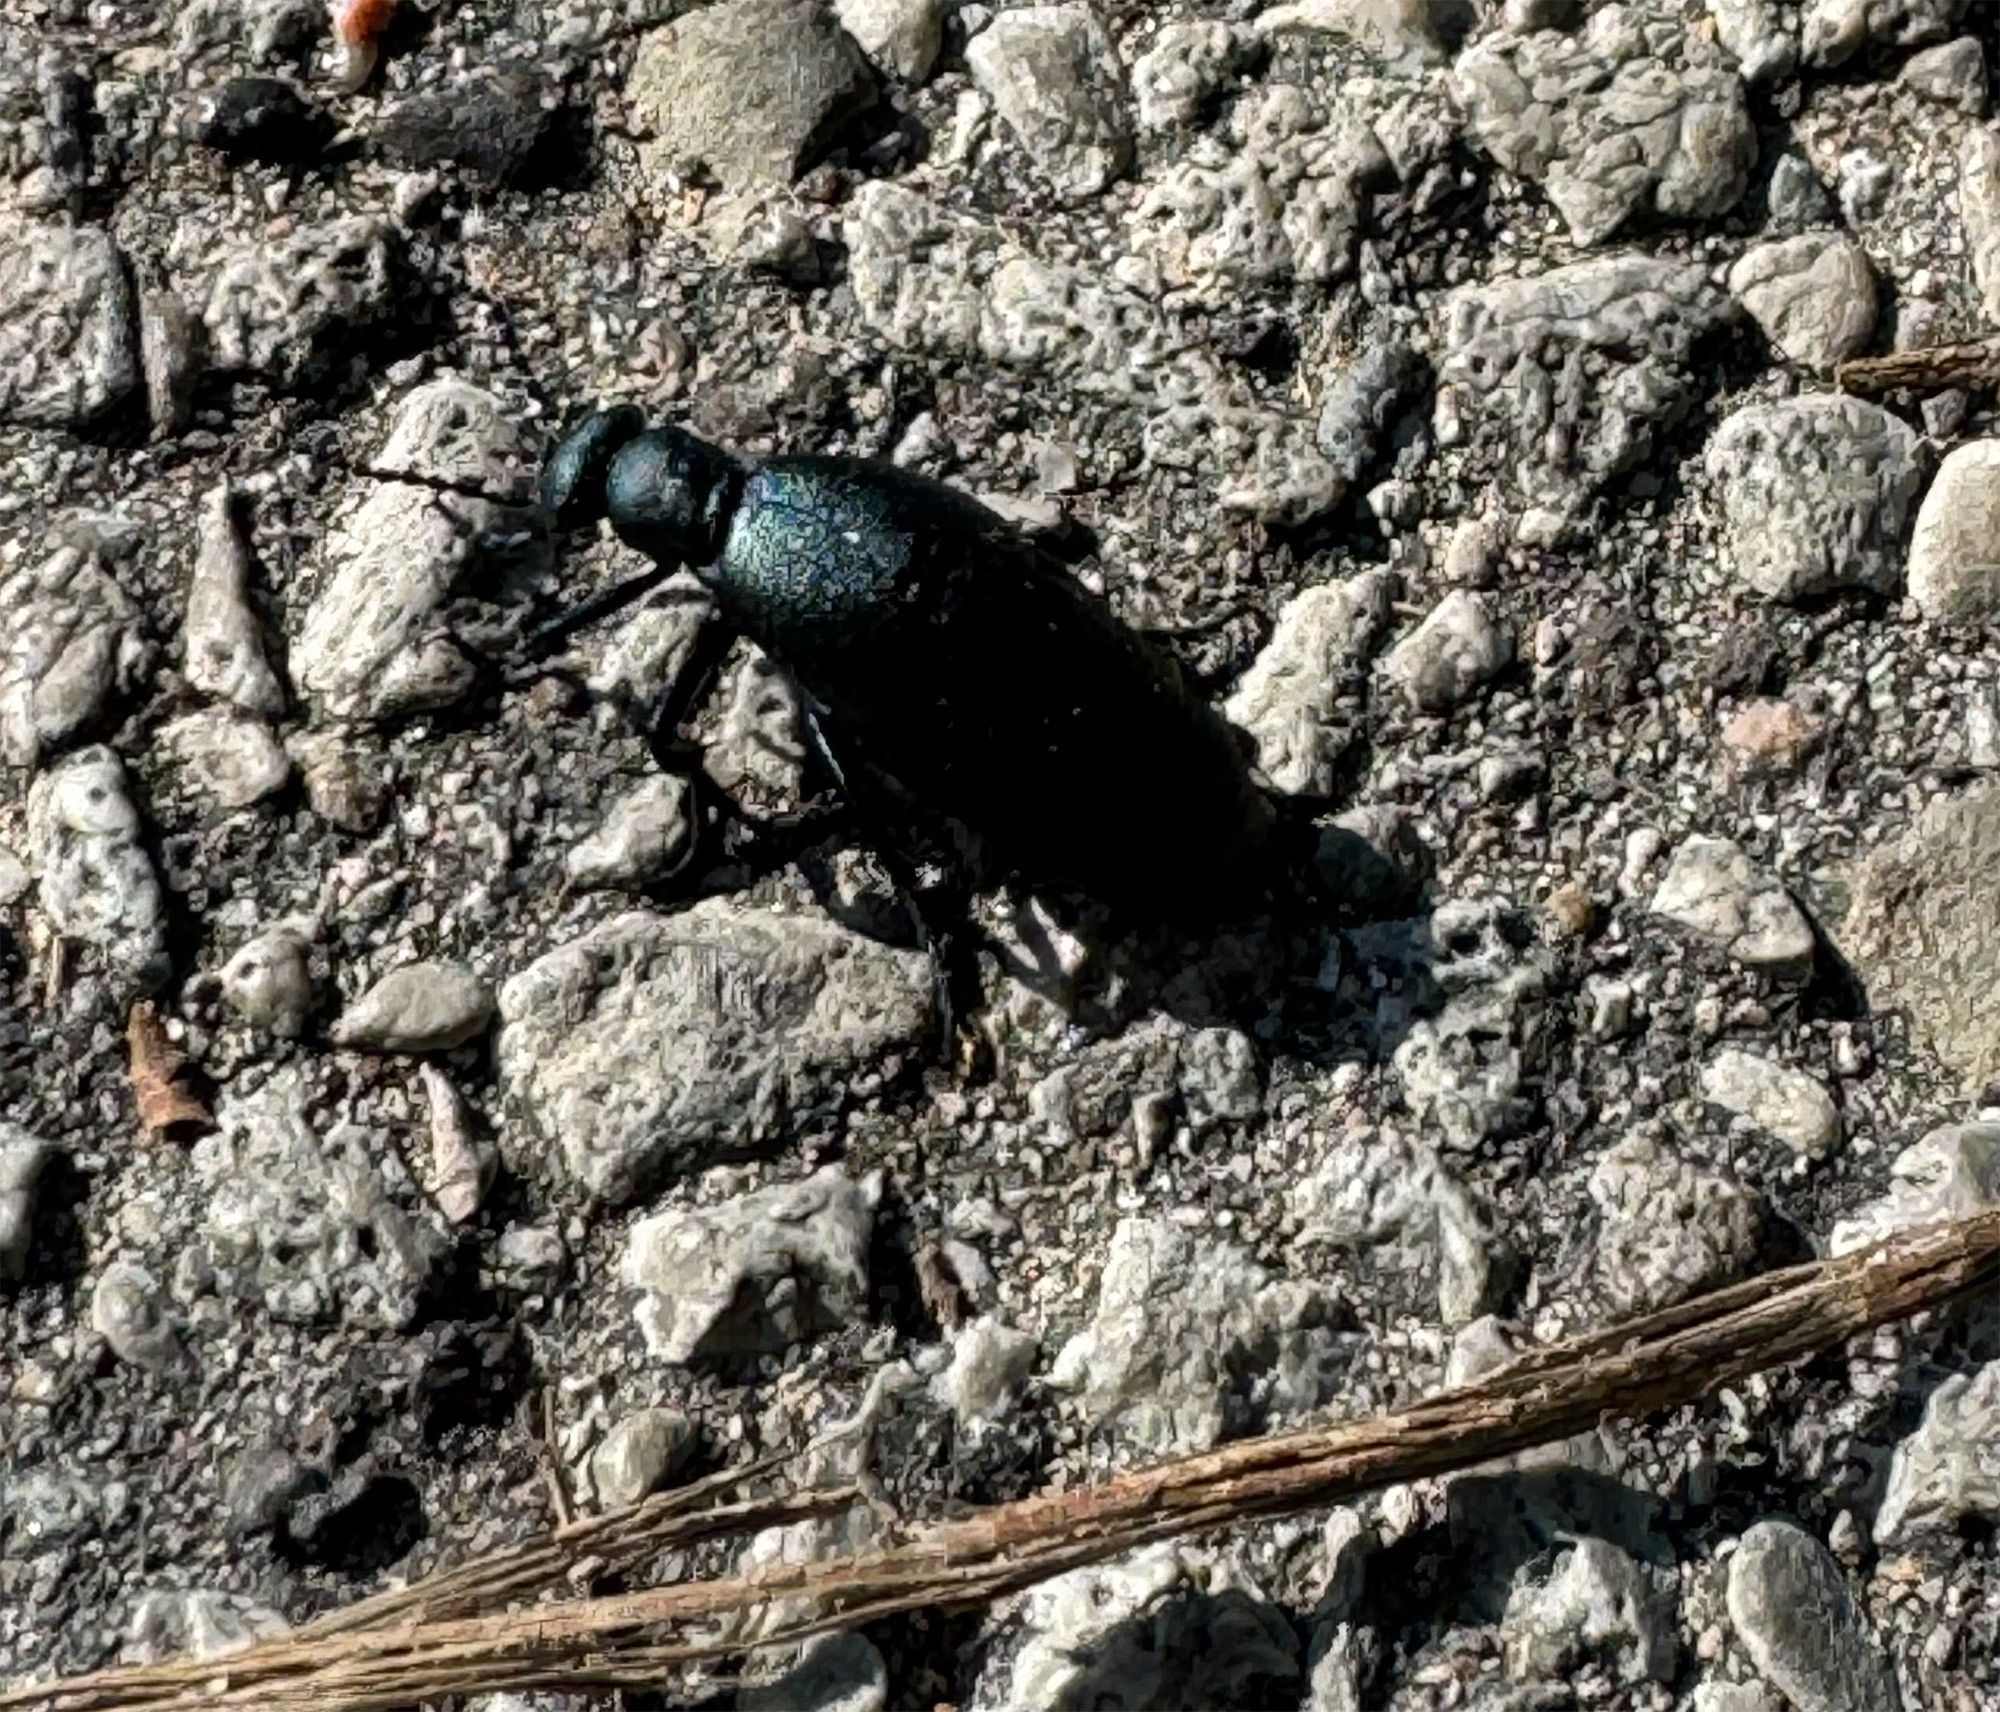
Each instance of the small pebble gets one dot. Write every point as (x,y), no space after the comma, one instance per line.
(22,1157)
(128,1312)
(421,1007)
(269,982)
(640,1455)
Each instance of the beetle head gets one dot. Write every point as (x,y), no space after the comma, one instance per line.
(669,495)
(666,492)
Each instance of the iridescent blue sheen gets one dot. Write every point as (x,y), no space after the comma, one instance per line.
(812,554)
(950,665)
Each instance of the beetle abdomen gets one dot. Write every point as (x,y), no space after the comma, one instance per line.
(978,674)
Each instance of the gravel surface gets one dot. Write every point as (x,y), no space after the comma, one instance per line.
(1449,381)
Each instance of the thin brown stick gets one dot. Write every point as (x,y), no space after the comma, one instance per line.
(1974,366)
(442,1646)
(611,1544)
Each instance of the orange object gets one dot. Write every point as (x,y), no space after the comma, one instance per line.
(360,23)
(358,26)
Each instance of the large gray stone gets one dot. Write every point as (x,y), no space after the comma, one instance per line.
(1668,1229)
(655,1043)
(1300,698)
(203,1622)
(97,882)
(1952,1173)
(990,1361)
(1183,68)
(1979,209)
(1362,401)
(1948,1470)
(1458,647)
(1466,1070)
(128,1309)
(1801,1627)
(1814,296)
(422,1007)
(224,643)
(1564,377)
(1952,73)
(1713,889)
(1599,1605)
(757,1274)
(1164,1628)
(1954,567)
(750,90)
(1923,930)
(284,307)
(1376,1191)
(306,1224)
(1192,1340)
(1278,193)
(1773,1099)
(646,834)
(900,36)
(372,643)
(70,645)
(941,283)
(1611,122)
(68,345)
(639,1456)
(270,32)
(229,757)
(834,1673)
(269,981)
(1757,36)
(486,124)
(1053,75)
(1816,494)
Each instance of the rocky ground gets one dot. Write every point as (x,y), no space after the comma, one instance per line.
(1453,380)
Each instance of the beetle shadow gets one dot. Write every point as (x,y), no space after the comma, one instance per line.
(1312,980)
(1327,970)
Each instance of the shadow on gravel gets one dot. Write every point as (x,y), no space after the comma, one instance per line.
(363,1530)
(1194,1652)
(1463,1568)
(59,1254)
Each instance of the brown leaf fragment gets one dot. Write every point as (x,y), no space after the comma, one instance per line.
(168,1088)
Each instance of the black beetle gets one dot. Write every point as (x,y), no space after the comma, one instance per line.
(950,667)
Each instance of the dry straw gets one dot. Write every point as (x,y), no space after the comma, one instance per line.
(491,1625)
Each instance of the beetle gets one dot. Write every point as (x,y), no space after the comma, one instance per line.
(950,669)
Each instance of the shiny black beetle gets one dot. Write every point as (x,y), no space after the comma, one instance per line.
(950,668)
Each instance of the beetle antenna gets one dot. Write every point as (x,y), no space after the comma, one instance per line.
(588,612)
(443,484)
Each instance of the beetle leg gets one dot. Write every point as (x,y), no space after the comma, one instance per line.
(938,894)
(585,613)
(685,693)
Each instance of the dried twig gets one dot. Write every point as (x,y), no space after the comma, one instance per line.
(592,1548)
(447,1637)
(1975,366)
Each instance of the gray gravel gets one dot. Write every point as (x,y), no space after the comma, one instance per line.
(1792,1607)
(1451,384)
(1817,492)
